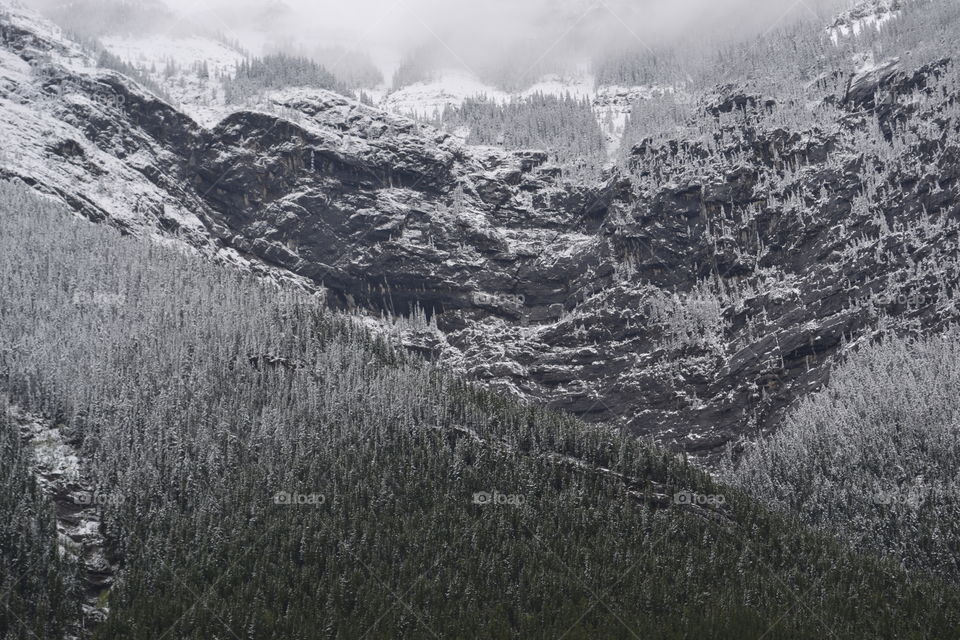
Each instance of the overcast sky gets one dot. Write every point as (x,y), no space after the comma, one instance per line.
(489,37)
(471,27)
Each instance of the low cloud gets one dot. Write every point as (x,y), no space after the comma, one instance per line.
(491,33)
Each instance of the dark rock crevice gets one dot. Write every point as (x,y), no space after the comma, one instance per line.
(60,474)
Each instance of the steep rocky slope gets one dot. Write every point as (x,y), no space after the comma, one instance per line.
(62,479)
(690,296)
(251,456)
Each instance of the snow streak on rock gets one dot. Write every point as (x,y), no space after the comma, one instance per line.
(59,472)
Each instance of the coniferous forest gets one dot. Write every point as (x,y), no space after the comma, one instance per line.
(212,429)
(277,71)
(565,126)
(277,471)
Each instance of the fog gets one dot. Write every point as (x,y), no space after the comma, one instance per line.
(484,34)
(490,23)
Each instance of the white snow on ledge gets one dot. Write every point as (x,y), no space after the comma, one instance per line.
(611,104)
(452,87)
(201,98)
(867,14)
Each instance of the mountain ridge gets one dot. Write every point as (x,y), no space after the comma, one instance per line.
(686,296)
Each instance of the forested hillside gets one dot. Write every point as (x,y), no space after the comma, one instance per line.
(39,591)
(875,457)
(276,71)
(566,127)
(271,470)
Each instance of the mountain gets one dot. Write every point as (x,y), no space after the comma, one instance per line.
(322,370)
(216,455)
(691,295)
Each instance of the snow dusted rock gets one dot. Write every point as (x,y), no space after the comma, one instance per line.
(691,297)
(729,98)
(59,472)
(884,84)
(865,14)
(98,141)
(81,133)
(363,200)
(591,299)
(870,79)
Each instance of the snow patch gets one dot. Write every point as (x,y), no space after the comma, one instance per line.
(867,14)
(427,100)
(173,64)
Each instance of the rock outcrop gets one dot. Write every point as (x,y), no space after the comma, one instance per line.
(690,296)
(59,472)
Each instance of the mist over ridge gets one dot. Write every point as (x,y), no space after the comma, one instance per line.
(530,38)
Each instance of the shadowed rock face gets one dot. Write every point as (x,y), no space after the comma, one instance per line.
(391,215)
(690,296)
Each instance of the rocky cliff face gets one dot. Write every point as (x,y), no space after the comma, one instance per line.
(62,478)
(690,296)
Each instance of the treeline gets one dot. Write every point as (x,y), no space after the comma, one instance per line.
(686,134)
(795,47)
(301,478)
(277,71)
(564,126)
(797,62)
(108,60)
(639,68)
(415,66)
(875,457)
